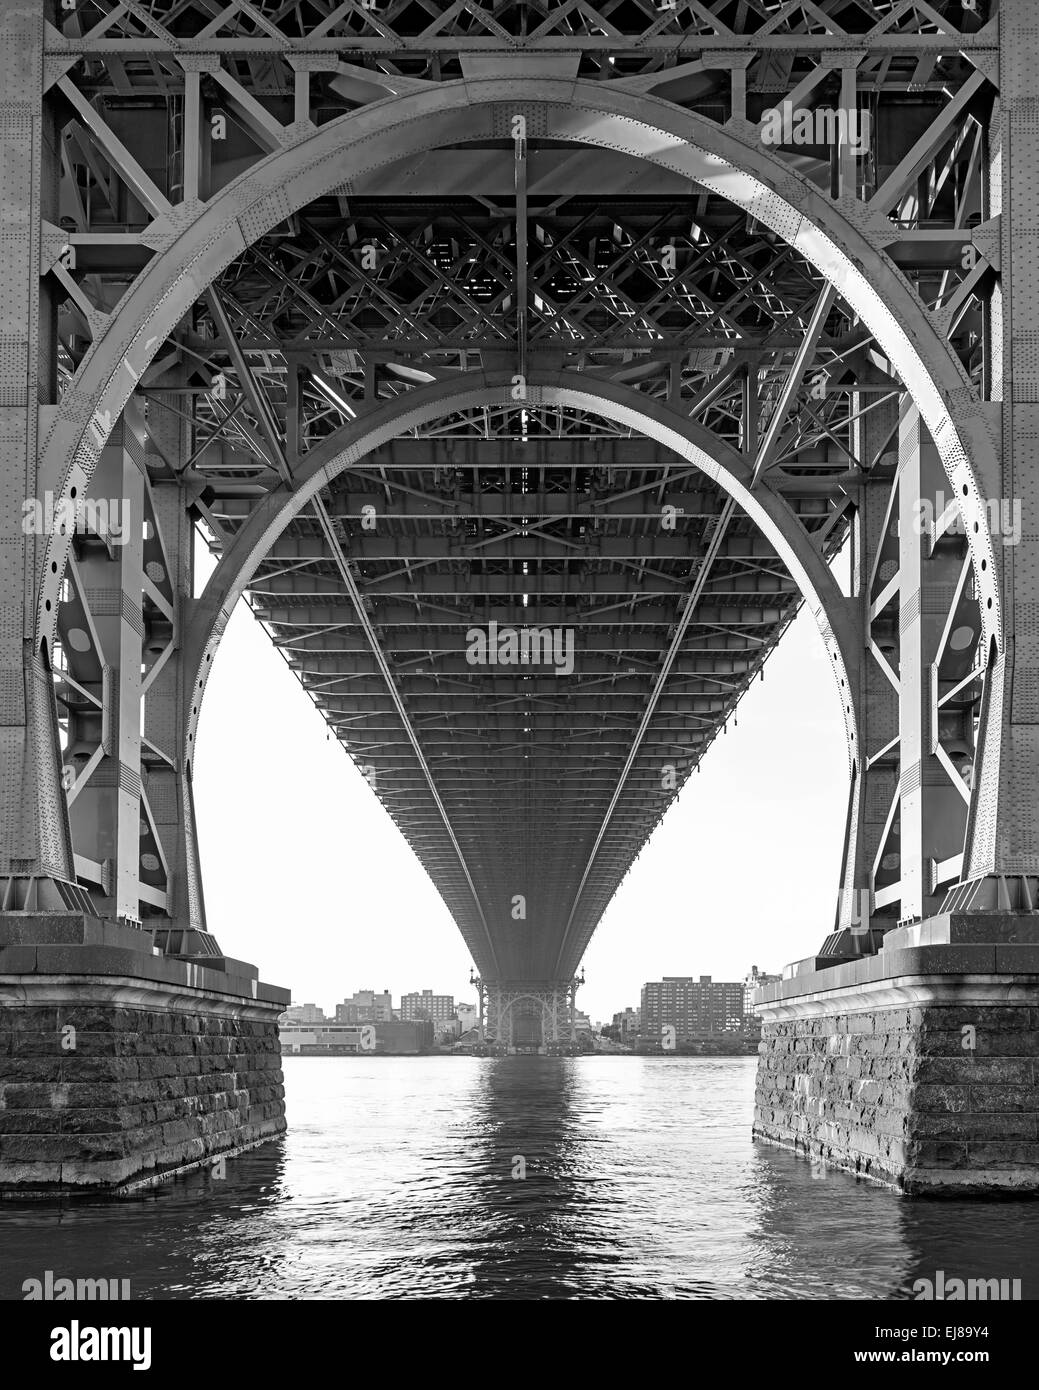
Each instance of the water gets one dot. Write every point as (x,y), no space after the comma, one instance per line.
(396,1181)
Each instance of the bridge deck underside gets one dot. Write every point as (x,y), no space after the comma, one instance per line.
(526,753)
(519,517)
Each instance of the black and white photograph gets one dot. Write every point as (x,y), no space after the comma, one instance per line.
(517,779)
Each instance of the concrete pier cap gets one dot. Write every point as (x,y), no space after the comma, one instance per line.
(914,1067)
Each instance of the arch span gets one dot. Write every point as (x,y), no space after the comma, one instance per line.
(546,1004)
(833,613)
(841,240)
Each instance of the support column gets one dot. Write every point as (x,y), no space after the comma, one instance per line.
(481,997)
(921,685)
(932,577)
(168,790)
(35,849)
(495,1023)
(872,827)
(1002,862)
(106,815)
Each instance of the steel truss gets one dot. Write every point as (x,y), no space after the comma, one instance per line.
(494,374)
(532,1016)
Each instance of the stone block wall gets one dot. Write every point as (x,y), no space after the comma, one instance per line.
(922,1083)
(119,1066)
(143,1091)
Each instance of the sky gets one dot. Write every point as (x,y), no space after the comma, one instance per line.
(306,876)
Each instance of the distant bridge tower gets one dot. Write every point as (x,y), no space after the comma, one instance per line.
(526,1018)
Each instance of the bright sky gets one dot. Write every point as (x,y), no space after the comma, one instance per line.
(307,877)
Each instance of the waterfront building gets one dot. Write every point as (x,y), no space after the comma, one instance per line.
(692,1007)
(303,1013)
(332,1039)
(625,1025)
(365,1006)
(439,1008)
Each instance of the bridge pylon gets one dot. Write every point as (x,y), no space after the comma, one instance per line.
(538,1017)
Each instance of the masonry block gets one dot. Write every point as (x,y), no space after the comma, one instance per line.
(929,1079)
(120,1066)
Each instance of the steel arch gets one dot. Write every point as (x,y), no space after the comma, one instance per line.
(833,613)
(841,239)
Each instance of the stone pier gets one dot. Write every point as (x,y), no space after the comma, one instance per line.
(917,1066)
(120,1066)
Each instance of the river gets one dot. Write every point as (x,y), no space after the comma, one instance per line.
(519,1178)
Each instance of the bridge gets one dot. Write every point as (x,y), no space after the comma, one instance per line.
(525,366)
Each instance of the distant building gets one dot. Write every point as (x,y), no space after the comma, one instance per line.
(303,1013)
(468,1016)
(625,1025)
(366,1007)
(755,980)
(439,1008)
(692,1007)
(313,1040)
(582,1023)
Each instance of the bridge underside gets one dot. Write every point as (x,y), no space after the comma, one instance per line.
(568,618)
(527,614)
(525,371)
(526,623)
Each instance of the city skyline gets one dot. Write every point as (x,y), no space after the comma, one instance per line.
(603,1016)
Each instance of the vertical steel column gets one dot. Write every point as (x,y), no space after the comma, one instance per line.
(107,814)
(35,847)
(848,163)
(1003,849)
(495,1024)
(932,811)
(167,701)
(872,813)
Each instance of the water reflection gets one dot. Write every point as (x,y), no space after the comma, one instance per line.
(995,1239)
(182,1239)
(538,1179)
